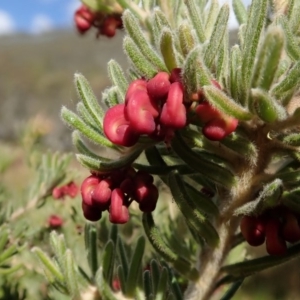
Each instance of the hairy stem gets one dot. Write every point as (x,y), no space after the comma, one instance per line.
(211,260)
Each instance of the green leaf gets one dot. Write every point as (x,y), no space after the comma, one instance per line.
(212,171)
(8,253)
(111,97)
(107,261)
(89,99)
(211,17)
(201,203)
(239,11)
(269,197)
(266,107)
(117,77)
(289,82)
(250,267)
(158,21)
(143,66)
(217,35)
(186,38)
(198,220)
(232,290)
(155,272)
(123,258)
(164,170)
(3,239)
(255,23)
(76,123)
(292,48)
(195,19)
(235,73)
(91,247)
(86,117)
(108,166)
(268,58)
(103,286)
(291,199)
(167,49)
(135,266)
(133,29)
(48,265)
(162,286)
(82,148)
(155,238)
(194,72)
(225,104)
(122,279)
(59,247)
(147,285)
(70,274)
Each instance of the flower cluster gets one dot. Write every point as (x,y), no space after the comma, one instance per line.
(157,107)
(275,227)
(154,108)
(106,24)
(115,192)
(71,189)
(217,125)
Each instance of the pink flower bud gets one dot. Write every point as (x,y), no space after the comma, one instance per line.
(141,112)
(214,130)
(87,187)
(91,212)
(136,85)
(83,19)
(206,112)
(117,129)
(109,26)
(253,230)
(55,221)
(101,194)
(173,113)
(57,193)
(158,87)
(217,129)
(118,212)
(291,229)
(275,243)
(72,189)
(147,197)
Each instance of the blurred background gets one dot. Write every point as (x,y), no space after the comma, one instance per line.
(40,51)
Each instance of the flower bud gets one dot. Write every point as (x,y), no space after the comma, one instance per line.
(71,189)
(91,212)
(158,87)
(55,222)
(141,111)
(101,194)
(109,26)
(118,212)
(83,19)
(136,85)
(87,187)
(117,129)
(253,230)
(148,197)
(173,113)
(206,112)
(275,243)
(57,193)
